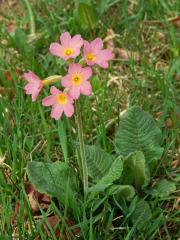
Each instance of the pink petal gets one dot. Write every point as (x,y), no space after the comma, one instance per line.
(76,53)
(86,88)
(31,77)
(86,48)
(35,95)
(70,99)
(56,49)
(86,72)
(34,89)
(105,55)
(74,67)
(30,88)
(103,64)
(96,45)
(76,41)
(57,111)
(54,90)
(65,38)
(49,101)
(68,110)
(90,63)
(102,58)
(66,81)
(34,86)
(74,92)
(67,57)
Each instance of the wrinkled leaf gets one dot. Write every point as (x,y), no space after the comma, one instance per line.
(135,170)
(98,162)
(112,175)
(121,191)
(55,179)
(139,132)
(163,188)
(141,214)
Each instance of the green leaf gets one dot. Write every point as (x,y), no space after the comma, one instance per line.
(163,188)
(98,162)
(105,4)
(135,170)
(139,132)
(4,237)
(142,214)
(96,83)
(112,175)
(114,172)
(21,42)
(121,191)
(55,179)
(86,14)
(2,179)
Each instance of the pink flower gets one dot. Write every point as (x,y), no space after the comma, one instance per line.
(34,85)
(60,102)
(69,47)
(77,80)
(94,54)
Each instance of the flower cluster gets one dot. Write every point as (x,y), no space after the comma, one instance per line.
(76,82)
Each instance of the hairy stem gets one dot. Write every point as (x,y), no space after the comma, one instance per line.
(81,145)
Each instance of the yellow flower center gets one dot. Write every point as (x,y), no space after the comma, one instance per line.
(68,51)
(61,98)
(76,79)
(90,57)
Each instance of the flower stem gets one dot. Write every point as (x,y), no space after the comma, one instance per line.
(81,145)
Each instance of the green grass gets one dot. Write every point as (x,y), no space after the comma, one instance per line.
(28,133)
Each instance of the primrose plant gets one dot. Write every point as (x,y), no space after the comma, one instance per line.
(74,83)
(117,176)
